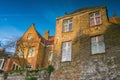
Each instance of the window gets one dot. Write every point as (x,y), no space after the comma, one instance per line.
(2,63)
(29,36)
(67,25)
(15,66)
(31,52)
(97,44)
(95,18)
(66,51)
(50,57)
(20,53)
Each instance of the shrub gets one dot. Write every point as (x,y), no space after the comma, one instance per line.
(31,78)
(1,71)
(5,75)
(50,69)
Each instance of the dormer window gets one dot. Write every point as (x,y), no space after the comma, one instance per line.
(67,25)
(29,36)
(95,18)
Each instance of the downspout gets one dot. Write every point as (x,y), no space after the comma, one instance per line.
(44,54)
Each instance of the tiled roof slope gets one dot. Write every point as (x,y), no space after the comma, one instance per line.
(50,40)
(114,20)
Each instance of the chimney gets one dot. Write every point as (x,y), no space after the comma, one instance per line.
(46,34)
(115,15)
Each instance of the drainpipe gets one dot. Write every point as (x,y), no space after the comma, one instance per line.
(44,54)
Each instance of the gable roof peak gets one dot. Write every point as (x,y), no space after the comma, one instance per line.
(32,25)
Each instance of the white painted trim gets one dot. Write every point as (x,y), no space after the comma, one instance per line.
(2,64)
(15,66)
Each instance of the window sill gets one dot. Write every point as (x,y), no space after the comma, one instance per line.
(30,56)
(67,31)
(96,25)
(98,53)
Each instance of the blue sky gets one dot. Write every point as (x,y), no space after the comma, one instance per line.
(16,16)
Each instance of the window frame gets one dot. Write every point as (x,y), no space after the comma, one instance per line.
(2,64)
(94,17)
(29,55)
(67,28)
(29,36)
(97,45)
(15,66)
(67,60)
(19,53)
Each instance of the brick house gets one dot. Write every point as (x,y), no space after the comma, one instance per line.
(3,58)
(32,51)
(86,46)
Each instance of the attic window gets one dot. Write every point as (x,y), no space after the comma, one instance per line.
(29,36)
(95,18)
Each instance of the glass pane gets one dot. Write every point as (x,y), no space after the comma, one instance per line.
(70,21)
(64,55)
(98,20)
(64,45)
(92,15)
(31,52)
(65,22)
(101,38)
(94,48)
(68,55)
(101,47)
(93,40)
(70,27)
(69,44)
(92,22)
(0,62)
(66,51)
(97,13)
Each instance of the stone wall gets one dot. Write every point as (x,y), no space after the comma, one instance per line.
(40,75)
(82,59)
(1,77)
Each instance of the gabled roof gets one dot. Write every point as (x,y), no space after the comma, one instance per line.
(33,28)
(82,10)
(42,38)
(50,41)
